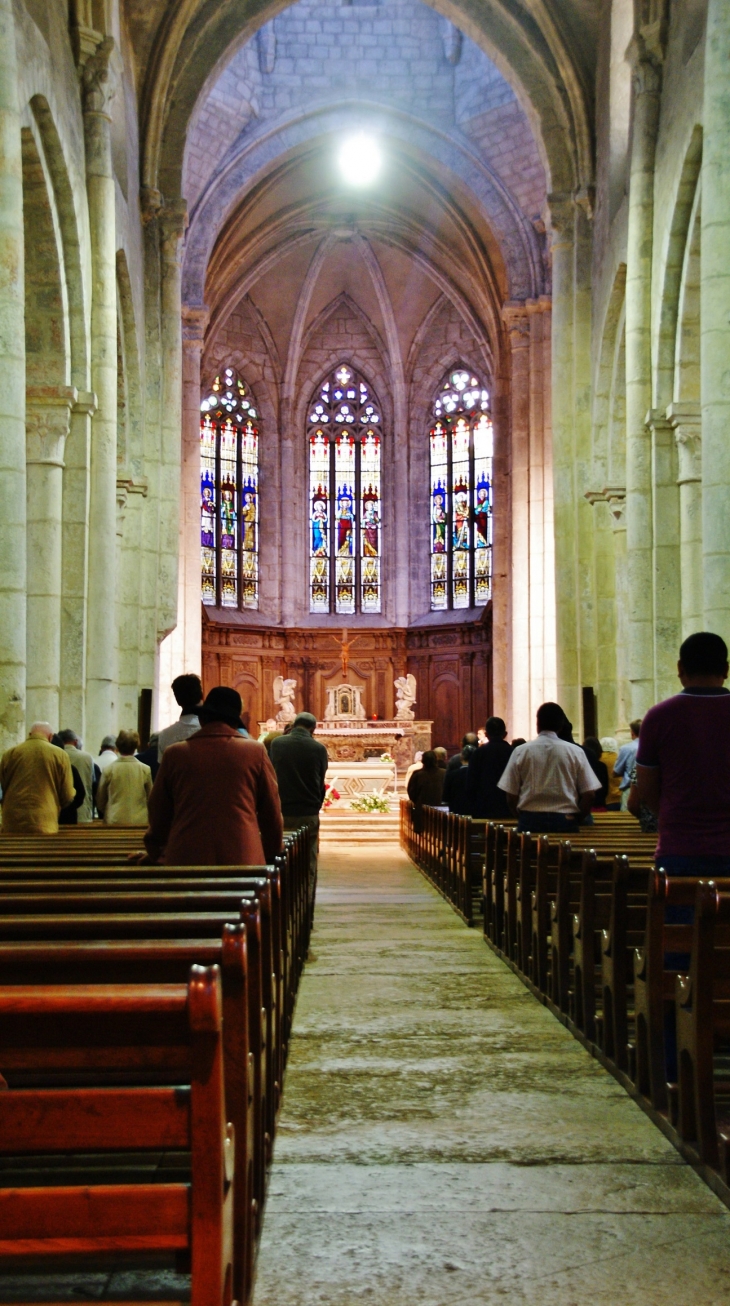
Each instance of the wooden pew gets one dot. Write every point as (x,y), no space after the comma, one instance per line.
(703,1029)
(173,1029)
(654,984)
(623,933)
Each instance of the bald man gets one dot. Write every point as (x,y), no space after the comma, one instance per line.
(36,782)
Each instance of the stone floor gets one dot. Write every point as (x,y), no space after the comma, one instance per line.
(444,1140)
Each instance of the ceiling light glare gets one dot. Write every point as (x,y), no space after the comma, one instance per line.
(359,160)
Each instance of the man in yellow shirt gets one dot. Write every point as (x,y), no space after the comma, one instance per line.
(36,783)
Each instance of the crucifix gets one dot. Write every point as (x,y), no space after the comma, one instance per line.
(345,646)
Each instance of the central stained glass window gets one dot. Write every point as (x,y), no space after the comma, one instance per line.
(345,497)
(229,494)
(461,444)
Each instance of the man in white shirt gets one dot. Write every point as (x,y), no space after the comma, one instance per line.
(107,753)
(549,783)
(188,693)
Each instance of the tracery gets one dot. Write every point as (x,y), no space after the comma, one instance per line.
(345,495)
(461,449)
(229,494)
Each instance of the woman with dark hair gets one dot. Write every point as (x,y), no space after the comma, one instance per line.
(215,801)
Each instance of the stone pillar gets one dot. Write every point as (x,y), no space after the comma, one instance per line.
(639,507)
(181,650)
(131,495)
(666,559)
(687,424)
(171,223)
(195,321)
(101,633)
(12,396)
(48,415)
(563,234)
(75,574)
(616,500)
(605,684)
(521,652)
(715,322)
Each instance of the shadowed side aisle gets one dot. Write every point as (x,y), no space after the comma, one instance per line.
(445,1140)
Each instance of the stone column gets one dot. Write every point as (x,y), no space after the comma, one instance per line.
(639,507)
(616,499)
(48,416)
(171,224)
(75,576)
(518,702)
(181,650)
(101,625)
(687,424)
(562,223)
(131,495)
(12,396)
(715,322)
(195,322)
(605,684)
(666,560)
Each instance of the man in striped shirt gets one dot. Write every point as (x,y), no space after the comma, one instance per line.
(549,783)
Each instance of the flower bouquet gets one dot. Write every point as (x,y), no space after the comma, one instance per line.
(331,795)
(374,802)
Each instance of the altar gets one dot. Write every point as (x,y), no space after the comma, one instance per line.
(357,741)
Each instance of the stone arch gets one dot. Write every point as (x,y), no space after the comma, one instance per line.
(687,348)
(49,399)
(130,420)
(674,260)
(69,233)
(529,48)
(516,237)
(604,377)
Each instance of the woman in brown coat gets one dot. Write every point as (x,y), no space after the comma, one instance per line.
(215,800)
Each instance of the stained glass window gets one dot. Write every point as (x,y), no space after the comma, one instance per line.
(345,495)
(461,451)
(229,494)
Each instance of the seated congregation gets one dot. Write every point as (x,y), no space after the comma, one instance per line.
(618,921)
(149,967)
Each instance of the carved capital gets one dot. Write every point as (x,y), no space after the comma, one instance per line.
(615,497)
(47,422)
(194,326)
(150,204)
(86,403)
(686,419)
(646,55)
(515,316)
(98,83)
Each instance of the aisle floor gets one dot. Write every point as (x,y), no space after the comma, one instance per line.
(444,1140)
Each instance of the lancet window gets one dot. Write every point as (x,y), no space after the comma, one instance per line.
(344,431)
(461,449)
(229,494)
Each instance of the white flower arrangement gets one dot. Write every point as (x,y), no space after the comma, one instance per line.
(373,802)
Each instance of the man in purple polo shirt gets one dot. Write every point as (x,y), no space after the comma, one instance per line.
(683,763)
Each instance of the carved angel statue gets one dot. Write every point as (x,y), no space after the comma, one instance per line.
(284,698)
(405,688)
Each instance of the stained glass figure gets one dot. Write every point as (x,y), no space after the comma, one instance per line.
(461,451)
(229,494)
(370,521)
(345,495)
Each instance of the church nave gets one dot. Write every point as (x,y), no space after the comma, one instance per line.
(443,1139)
